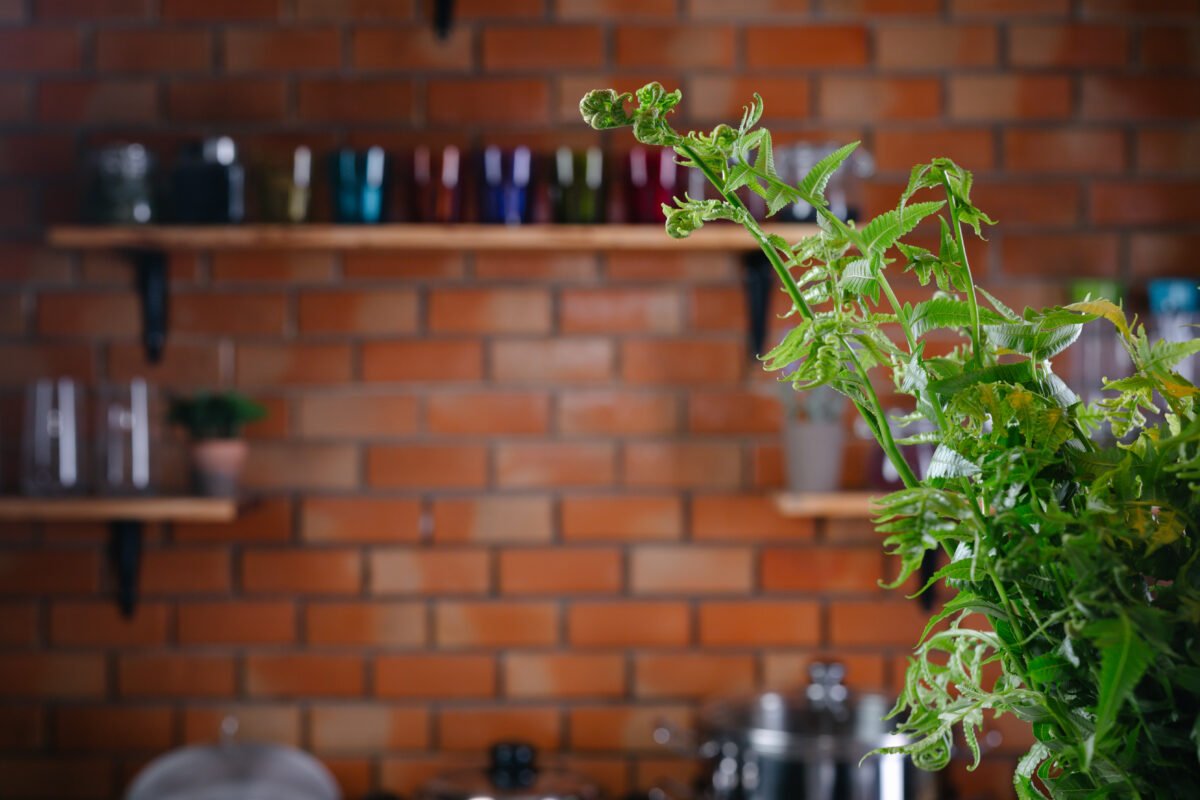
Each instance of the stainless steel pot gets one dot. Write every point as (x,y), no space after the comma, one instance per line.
(234,770)
(802,746)
(513,774)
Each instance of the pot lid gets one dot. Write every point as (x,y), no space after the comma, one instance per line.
(826,710)
(512,774)
(234,771)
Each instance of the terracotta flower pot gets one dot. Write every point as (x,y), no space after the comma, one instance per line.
(217,466)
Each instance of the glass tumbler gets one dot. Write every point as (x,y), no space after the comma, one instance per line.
(53,459)
(124,448)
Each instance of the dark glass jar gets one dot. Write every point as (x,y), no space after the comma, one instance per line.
(208,184)
(120,186)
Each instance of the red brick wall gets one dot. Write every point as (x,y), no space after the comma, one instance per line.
(510,495)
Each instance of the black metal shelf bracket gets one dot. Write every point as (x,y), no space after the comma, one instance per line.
(758,277)
(125,539)
(151,268)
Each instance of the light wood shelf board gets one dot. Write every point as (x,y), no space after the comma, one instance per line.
(109,509)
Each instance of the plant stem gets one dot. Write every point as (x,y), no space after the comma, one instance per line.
(972,300)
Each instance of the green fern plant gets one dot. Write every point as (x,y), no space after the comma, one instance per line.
(1072,564)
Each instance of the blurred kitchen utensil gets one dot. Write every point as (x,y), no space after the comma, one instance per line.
(578,188)
(506,186)
(208,183)
(652,178)
(285,189)
(53,444)
(512,774)
(437,184)
(359,180)
(120,186)
(124,435)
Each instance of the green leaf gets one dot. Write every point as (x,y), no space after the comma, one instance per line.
(1123,660)
(812,187)
(1032,339)
(1020,372)
(883,231)
(944,312)
(1023,777)
(946,463)
(859,278)
(1101,307)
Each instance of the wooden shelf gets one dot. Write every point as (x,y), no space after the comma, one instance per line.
(713,237)
(830,505)
(111,509)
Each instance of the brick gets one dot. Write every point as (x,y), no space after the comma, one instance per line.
(357,415)
(220,9)
(559,571)
(229,314)
(1068,46)
(180,570)
(620,311)
(174,675)
(719,308)
(475,729)
(694,569)
(553,361)
(1168,151)
(1085,151)
(785,671)
(735,412)
(429,676)
(542,47)
(279,50)
(722,97)
(1126,99)
(39,50)
(821,569)
(625,728)
(495,624)
(489,311)
(292,364)
(629,624)
(755,624)
(622,517)
(24,363)
(682,465)
(899,150)
(301,466)
(1163,254)
(692,675)
(483,413)
(323,571)
(360,519)
(936,46)
(237,623)
(864,99)
(564,675)
(367,729)
(57,777)
(263,521)
(747,9)
(492,518)
(604,10)
(92,315)
(745,518)
(271,266)
(1170,48)
(420,466)
(1145,202)
(534,266)
(60,675)
(354,9)
(1045,204)
(488,101)
(675,47)
(303,675)
(411,49)
(1139,8)
(374,311)
(555,464)
(113,730)
(101,624)
(680,361)
(19,624)
(870,8)
(415,264)
(83,9)
(24,729)
(824,46)
(36,155)
(430,572)
(49,572)
(242,100)
(616,413)
(356,100)
(14,102)
(365,624)
(978,97)
(157,50)
(278,724)
(1002,8)
(429,360)
(876,623)
(1074,254)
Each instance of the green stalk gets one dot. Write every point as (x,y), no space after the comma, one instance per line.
(972,301)
(883,431)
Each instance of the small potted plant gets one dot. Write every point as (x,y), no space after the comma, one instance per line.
(214,422)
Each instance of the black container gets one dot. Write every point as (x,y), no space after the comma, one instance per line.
(208,184)
(120,188)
